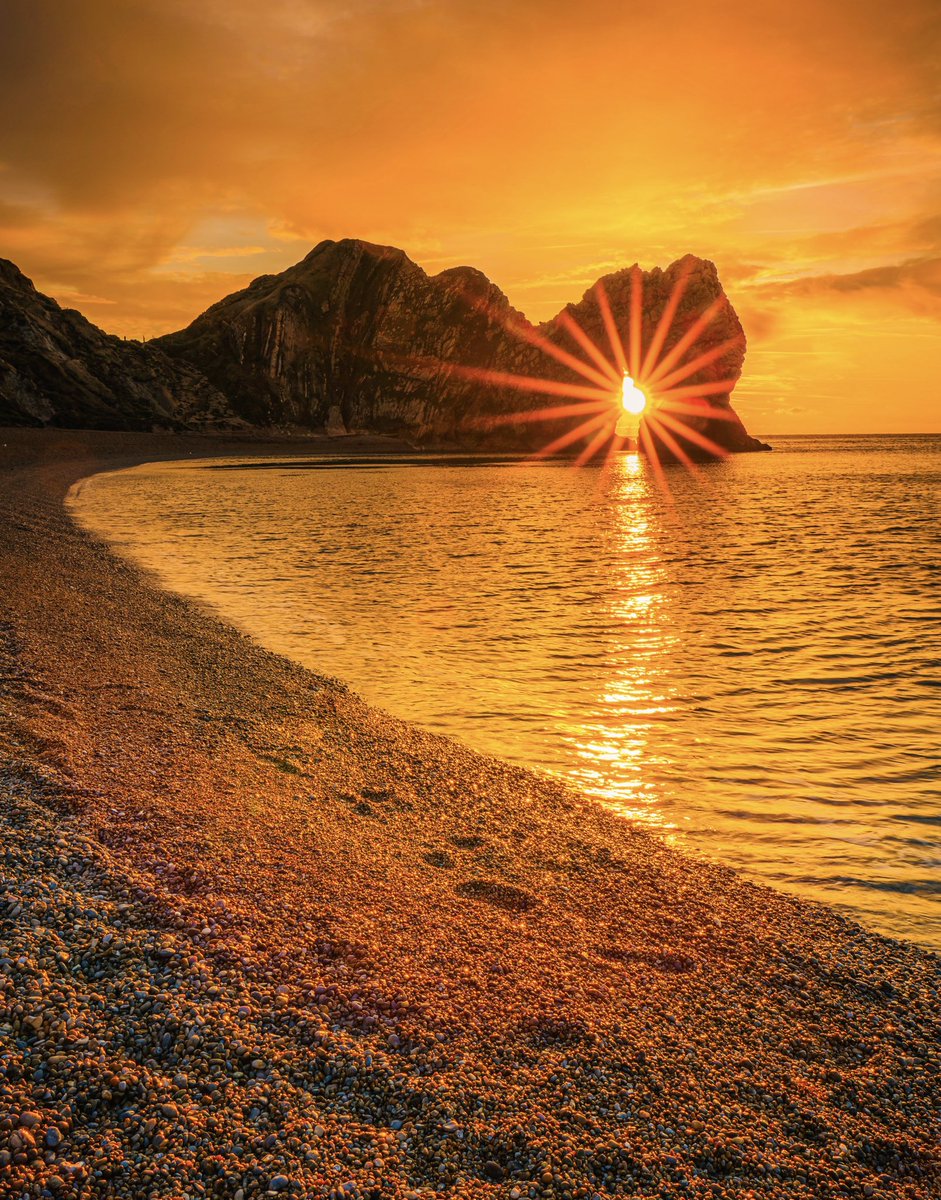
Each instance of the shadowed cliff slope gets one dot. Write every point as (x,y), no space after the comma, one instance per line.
(361,330)
(56,368)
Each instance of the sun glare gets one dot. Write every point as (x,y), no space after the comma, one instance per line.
(633,399)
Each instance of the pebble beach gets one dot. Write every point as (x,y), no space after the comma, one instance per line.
(257,938)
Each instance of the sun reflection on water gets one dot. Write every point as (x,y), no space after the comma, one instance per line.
(664,652)
(616,749)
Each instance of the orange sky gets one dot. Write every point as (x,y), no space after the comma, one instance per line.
(156,154)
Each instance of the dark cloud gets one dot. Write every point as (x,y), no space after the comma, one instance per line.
(104,100)
(760,324)
(107,101)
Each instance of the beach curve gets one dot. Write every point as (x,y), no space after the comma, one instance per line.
(259,938)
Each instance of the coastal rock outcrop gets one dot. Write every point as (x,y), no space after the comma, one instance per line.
(362,329)
(56,368)
(696,281)
(358,338)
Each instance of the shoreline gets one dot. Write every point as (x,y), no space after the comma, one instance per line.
(232,861)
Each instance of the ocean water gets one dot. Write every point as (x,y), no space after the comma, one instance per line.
(750,664)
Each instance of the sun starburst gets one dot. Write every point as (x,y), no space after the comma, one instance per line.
(635,393)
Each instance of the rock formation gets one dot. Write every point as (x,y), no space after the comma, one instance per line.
(701,291)
(358,335)
(56,368)
(355,337)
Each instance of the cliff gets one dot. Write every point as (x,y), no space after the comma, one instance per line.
(357,337)
(696,281)
(56,368)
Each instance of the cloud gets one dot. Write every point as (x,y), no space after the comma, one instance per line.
(473,106)
(914,284)
(759,324)
(924,273)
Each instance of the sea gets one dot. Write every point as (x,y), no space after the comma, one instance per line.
(744,659)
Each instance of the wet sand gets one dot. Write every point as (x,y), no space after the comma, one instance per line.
(258,938)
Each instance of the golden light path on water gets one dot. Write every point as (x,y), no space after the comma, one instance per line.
(614,749)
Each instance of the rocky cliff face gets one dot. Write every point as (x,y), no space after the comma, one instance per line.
(355,338)
(697,282)
(56,368)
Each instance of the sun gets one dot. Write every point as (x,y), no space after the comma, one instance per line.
(637,396)
(633,399)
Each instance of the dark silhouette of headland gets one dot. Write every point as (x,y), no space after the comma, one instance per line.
(354,338)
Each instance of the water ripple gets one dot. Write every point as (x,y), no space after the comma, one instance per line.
(753,670)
